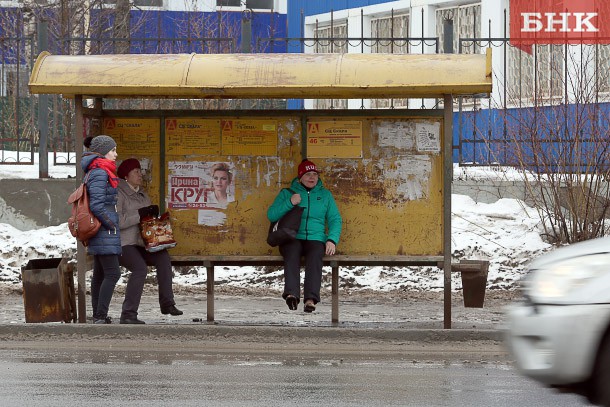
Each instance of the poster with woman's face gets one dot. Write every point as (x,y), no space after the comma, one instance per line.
(222,190)
(205,186)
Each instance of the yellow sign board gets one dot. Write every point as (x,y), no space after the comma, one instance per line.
(135,137)
(189,136)
(249,137)
(139,138)
(337,138)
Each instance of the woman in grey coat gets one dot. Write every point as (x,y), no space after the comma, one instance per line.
(132,201)
(99,166)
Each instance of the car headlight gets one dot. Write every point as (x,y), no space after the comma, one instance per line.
(556,280)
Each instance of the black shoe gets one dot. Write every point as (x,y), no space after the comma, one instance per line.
(105,320)
(171,310)
(292,302)
(134,320)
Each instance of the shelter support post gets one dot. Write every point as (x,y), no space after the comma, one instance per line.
(447,179)
(335,291)
(81,254)
(209,266)
(43,109)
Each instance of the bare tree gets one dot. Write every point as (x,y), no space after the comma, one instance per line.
(121,27)
(559,138)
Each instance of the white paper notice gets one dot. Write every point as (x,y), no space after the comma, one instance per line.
(428,136)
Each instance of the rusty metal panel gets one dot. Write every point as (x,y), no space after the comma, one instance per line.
(256,181)
(391,198)
(139,137)
(256,76)
(48,291)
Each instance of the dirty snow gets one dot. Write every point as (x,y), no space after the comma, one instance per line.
(505,232)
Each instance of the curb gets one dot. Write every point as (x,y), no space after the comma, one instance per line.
(244,333)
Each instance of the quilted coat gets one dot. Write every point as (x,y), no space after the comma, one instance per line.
(320,211)
(102,202)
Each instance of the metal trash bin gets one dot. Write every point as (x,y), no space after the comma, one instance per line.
(474,283)
(48,290)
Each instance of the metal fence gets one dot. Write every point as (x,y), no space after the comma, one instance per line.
(553,95)
(544,83)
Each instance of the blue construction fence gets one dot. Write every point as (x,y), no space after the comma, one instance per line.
(541,138)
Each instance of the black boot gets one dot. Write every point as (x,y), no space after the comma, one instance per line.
(171,310)
(133,320)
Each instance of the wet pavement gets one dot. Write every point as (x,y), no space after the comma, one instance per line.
(357,314)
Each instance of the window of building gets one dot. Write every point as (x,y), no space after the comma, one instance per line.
(260,4)
(330,39)
(537,75)
(391,33)
(228,3)
(252,4)
(148,3)
(466,24)
(138,3)
(603,72)
(14,82)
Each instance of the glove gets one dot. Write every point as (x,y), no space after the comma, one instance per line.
(151,211)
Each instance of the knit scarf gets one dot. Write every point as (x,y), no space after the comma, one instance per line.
(108,166)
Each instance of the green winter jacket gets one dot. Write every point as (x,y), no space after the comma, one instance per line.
(320,210)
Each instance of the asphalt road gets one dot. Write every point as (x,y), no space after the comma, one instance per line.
(140,370)
(383,352)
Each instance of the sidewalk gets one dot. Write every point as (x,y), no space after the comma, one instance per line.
(358,315)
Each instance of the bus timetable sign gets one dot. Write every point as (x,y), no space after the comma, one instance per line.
(559,22)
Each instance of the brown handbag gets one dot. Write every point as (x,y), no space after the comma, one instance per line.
(82,223)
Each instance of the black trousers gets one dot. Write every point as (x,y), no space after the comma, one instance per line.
(313,252)
(106,273)
(136,259)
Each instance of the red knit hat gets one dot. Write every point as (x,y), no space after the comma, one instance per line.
(307,166)
(126,167)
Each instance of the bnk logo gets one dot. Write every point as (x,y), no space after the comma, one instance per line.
(559,22)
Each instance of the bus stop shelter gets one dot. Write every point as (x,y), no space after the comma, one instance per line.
(390,170)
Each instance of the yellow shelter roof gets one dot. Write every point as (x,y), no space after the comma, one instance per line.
(257,76)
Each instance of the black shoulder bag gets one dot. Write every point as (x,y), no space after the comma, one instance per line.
(286,228)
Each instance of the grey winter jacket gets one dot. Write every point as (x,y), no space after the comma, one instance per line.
(129,202)
(102,202)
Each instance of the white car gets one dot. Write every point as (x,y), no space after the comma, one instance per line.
(559,334)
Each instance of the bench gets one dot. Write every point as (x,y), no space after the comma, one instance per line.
(336,261)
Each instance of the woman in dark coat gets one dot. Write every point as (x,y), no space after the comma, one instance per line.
(99,166)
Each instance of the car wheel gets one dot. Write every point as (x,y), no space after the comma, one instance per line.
(601,376)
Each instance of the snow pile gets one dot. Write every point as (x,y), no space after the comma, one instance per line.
(505,232)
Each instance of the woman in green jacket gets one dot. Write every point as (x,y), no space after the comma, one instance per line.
(318,234)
